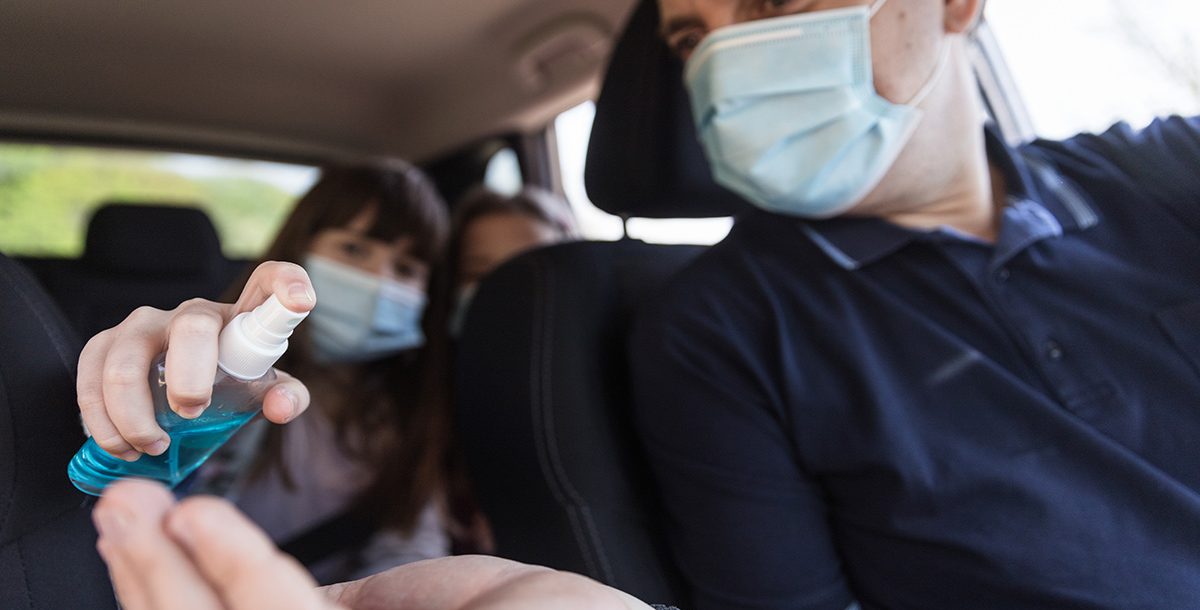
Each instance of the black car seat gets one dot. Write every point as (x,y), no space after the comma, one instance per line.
(644,158)
(48,557)
(543,413)
(542,397)
(139,254)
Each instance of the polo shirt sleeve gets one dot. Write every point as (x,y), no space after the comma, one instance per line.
(747,526)
(1162,161)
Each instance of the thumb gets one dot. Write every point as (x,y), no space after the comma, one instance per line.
(239,561)
(287,281)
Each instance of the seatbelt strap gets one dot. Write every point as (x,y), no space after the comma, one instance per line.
(343,531)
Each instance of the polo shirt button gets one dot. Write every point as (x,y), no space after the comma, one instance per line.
(1054,351)
(1003,275)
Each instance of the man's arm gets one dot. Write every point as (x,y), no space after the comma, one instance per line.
(1161,161)
(748,527)
(202,554)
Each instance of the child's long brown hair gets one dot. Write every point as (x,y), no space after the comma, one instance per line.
(375,408)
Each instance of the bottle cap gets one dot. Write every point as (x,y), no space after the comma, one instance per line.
(251,344)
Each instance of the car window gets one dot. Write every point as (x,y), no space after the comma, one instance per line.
(48,193)
(1082,65)
(503,173)
(573,129)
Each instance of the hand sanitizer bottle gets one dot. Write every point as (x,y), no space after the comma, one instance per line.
(248,347)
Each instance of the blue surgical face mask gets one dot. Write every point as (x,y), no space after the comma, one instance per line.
(788,115)
(359,316)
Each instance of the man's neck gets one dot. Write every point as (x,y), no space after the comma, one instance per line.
(972,202)
(944,178)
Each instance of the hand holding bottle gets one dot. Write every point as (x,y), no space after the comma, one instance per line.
(114,397)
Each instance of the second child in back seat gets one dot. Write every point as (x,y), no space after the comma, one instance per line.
(354,485)
(488,230)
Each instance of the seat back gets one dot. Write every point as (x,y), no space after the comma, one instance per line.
(543,412)
(48,557)
(543,399)
(138,255)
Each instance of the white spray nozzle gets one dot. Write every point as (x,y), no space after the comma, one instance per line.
(252,343)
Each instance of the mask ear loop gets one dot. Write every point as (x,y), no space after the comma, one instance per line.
(934,78)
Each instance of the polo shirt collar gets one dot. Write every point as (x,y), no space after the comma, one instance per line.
(1041,205)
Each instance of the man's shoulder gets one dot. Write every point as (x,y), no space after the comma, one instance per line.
(1125,143)
(733,283)
(731,265)
(1124,168)
(1146,156)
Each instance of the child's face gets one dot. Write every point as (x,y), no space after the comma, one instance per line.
(492,239)
(350,245)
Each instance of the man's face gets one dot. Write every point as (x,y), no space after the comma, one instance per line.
(908,38)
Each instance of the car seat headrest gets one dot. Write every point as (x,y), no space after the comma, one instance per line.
(152,239)
(644,158)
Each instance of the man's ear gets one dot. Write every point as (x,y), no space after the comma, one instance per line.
(962,15)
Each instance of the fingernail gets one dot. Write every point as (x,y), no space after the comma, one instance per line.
(158,447)
(295,402)
(193,412)
(110,522)
(301,294)
(132,455)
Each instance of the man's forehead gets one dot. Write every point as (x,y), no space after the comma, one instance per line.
(681,14)
(673,8)
(675,14)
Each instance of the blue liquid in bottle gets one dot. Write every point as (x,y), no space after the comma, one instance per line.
(234,402)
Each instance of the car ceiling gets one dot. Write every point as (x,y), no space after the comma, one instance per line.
(312,79)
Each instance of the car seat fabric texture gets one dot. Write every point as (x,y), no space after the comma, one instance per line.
(543,411)
(48,557)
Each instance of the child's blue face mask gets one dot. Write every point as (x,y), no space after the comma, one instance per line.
(788,115)
(360,316)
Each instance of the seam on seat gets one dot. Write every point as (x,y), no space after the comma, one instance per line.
(545,433)
(24,574)
(536,407)
(542,420)
(13,278)
(6,515)
(17,548)
(48,522)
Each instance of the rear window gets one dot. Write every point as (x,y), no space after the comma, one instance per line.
(48,193)
(1082,65)
(573,129)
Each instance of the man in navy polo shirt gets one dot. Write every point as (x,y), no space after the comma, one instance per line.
(934,371)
